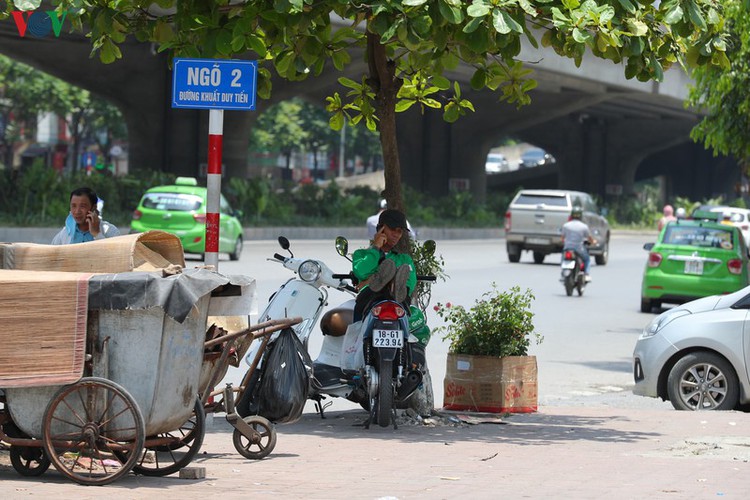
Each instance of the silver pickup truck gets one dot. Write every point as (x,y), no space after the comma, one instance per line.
(535,217)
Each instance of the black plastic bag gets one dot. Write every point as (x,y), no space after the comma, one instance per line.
(285,382)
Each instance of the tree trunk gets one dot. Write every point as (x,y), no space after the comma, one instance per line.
(383,76)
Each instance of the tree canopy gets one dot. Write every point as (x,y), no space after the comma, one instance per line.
(723,92)
(410,46)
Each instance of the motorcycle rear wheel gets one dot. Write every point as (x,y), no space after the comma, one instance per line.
(385,393)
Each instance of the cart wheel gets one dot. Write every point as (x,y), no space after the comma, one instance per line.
(85,427)
(258,445)
(181,446)
(29,460)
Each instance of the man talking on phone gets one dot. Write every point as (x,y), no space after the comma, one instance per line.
(83,222)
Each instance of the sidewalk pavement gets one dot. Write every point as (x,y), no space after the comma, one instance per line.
(578,452)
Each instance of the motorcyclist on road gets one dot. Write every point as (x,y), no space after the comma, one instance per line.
(574,233)
(382,271)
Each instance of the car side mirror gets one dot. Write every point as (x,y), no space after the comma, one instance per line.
(648,246)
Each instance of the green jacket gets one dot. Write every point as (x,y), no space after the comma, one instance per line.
(365,262)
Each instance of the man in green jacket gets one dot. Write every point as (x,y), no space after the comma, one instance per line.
(382,271)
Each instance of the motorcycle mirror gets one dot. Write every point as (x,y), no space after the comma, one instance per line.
(285,244)
(429,247)
(342,246)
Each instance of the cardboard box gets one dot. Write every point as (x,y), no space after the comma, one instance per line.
(490,384)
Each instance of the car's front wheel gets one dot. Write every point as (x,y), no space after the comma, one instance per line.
(235,255)
(703,381)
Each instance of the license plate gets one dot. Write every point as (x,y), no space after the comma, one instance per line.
(568,264)
(387,338)
(537,241)
(693,267)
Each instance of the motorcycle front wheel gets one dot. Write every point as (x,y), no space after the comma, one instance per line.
(385,392)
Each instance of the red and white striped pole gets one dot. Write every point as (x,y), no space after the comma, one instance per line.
(213,184)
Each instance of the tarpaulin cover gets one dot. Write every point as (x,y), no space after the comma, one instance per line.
(175,294)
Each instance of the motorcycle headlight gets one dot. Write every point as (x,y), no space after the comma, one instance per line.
(309,271)
(663,320)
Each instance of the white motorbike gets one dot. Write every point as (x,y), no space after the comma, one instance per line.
(303,296)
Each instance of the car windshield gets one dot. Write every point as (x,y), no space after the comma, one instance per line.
(538,199)
(172,201)
(533,154)
(495,158)
(698,236)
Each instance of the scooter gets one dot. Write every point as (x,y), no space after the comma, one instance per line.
(378,362)
(303,296)
(572,272)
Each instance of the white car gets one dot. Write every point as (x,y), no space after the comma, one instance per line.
(739,217)
(496,163)
(696,355)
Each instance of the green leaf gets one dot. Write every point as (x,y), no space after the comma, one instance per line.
(337,121)
(432,103)
(528,7)
(348,82)
(637,27)
(452,14)
(473,24)
(256,45)
(451,112)
(413,3)
(581,36)
(628,6)
(479,79)
(404,104)
(674,15)
(163,32)
(340,59)
(441,82)
(479,8)
(695,15)
(499,22)
(109,52)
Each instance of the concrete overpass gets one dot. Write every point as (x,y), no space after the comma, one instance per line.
(606,132)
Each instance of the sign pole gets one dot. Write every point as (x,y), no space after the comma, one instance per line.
(213,185)
(216,85)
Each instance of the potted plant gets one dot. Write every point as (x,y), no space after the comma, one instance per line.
(488,366)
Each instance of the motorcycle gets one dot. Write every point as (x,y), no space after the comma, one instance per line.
(572,272)
(303,296)
(378,362)
(385,342)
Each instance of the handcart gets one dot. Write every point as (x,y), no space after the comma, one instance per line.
(254,436)
(88,384)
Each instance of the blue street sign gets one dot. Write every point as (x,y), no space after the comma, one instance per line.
(214,84)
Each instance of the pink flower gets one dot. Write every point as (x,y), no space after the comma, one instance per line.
(447,304)
(436,308)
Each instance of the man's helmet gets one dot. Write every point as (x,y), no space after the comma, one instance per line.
(576,213)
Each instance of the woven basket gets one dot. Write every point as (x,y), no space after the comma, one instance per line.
(149,251)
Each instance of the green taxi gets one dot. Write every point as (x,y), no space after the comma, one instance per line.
(180,209)
(693,259)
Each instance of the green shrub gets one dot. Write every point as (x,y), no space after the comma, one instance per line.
(500,324)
